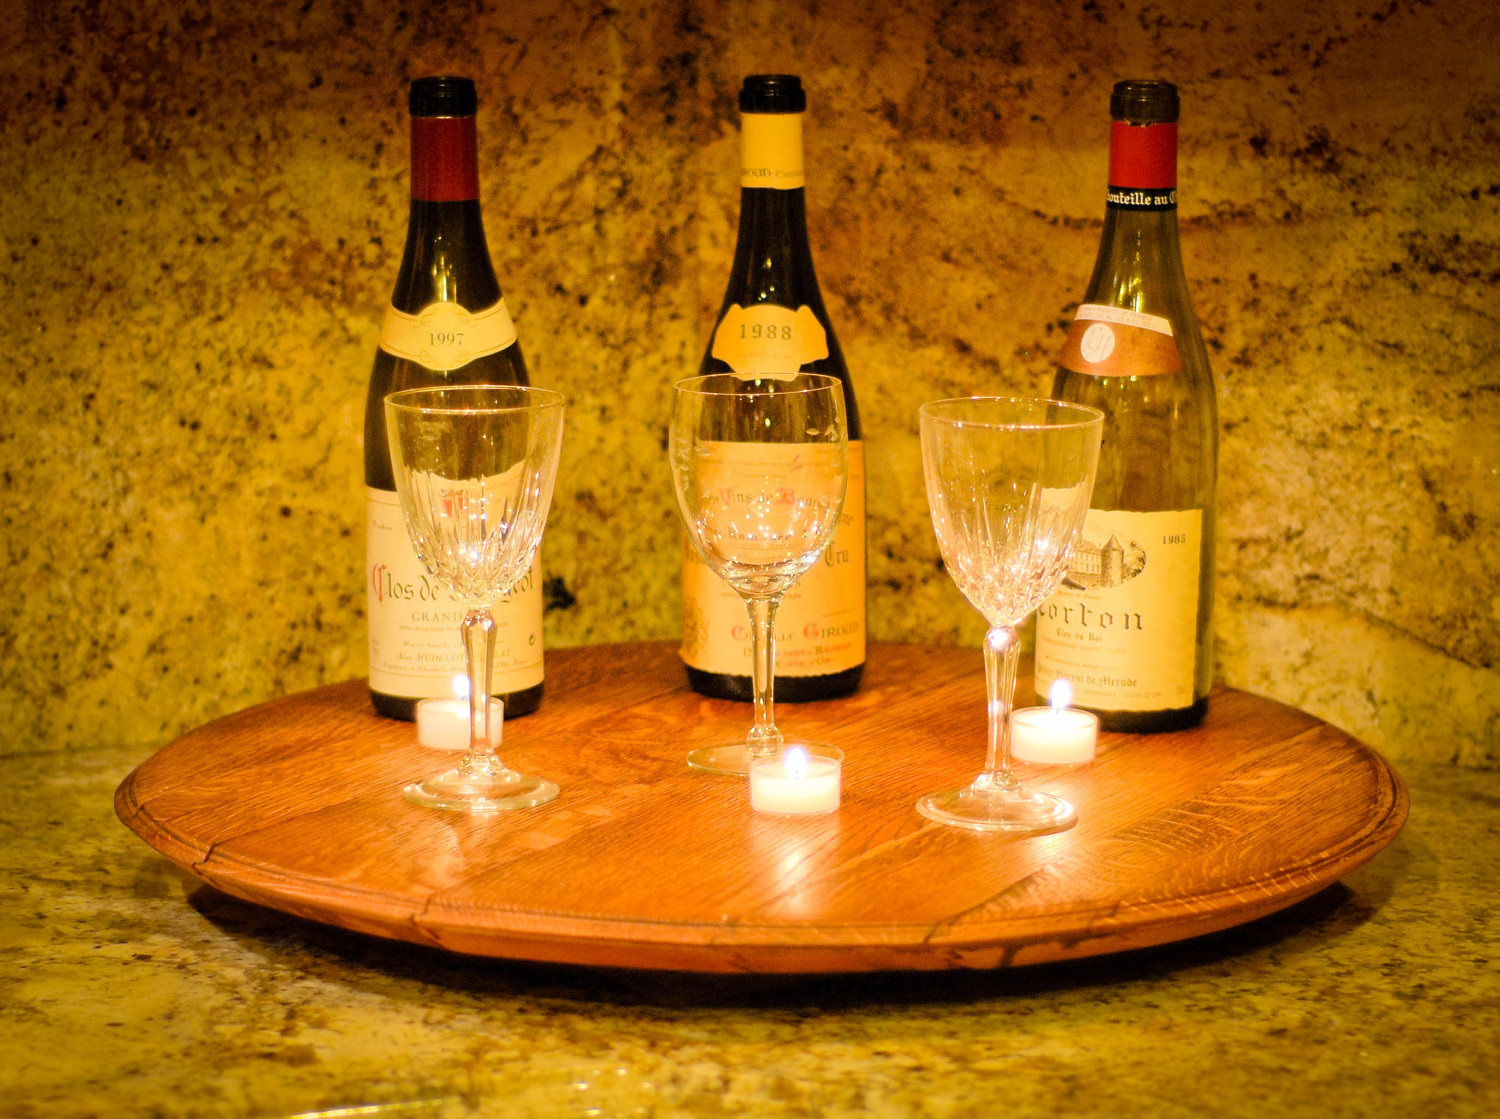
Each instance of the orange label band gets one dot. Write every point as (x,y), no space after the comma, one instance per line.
(1115,342)
(771,151)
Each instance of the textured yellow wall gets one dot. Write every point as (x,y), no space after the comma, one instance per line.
(204,205)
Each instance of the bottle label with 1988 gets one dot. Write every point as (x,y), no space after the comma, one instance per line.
(765,340)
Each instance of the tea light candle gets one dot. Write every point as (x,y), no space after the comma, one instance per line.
(443,722)
(793,784)
(1055,735)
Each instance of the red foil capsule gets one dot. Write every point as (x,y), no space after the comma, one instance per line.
(444,160)
(1142,155)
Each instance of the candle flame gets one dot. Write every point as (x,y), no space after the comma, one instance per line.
(796,763)
(1061,694)
(460,686)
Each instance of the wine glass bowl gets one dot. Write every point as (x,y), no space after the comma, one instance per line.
(760,466)
(1008,483)
(474,467)
(471,532)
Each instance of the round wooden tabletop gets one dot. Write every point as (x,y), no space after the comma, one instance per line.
(296,804)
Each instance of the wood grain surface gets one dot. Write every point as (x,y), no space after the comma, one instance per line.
(296,804)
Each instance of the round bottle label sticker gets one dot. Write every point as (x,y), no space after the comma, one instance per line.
(1097,343)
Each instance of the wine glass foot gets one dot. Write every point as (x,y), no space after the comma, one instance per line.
(1015,810)
(460,791)
(732,759)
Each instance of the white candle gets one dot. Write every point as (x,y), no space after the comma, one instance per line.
(1055,735)
(443,722)
(793,784)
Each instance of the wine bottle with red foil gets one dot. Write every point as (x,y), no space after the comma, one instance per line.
(1132,627)
(773,322)
(447,324)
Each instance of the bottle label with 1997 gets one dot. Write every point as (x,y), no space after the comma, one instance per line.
(444,336)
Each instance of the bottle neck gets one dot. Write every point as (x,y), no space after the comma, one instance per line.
(446,259)
(773,223)
(1139,254)
(772,255)
(444,160)
(1143,163)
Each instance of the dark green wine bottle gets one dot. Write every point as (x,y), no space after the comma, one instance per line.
(773,321)
(447,324)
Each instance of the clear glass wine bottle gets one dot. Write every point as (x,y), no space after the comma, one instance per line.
(1132,627)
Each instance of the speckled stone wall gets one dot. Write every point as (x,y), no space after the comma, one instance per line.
(204,206)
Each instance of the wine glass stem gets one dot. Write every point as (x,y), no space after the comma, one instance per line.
(478,631)
(1002,652)
(764,739)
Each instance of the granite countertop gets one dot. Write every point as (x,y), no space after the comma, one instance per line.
(126,988)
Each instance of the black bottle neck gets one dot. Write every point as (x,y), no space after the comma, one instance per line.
(446,258)
(772,257)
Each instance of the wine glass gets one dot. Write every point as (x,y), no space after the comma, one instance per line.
(760,465)
(474,467)
(1009,481)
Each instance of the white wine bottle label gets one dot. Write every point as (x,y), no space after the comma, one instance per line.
(1123,627)
(415,647)
(443,336)
(766,340)
(771,151)
(820,624)
(1116,342)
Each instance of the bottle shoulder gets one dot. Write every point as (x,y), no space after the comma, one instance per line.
(505,367)
(1139,269)
(446,259)
(1139,264)
(773,267)
(773,260)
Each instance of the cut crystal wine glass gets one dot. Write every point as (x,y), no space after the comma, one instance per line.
(760,465)
(1008,482)
(474,467)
